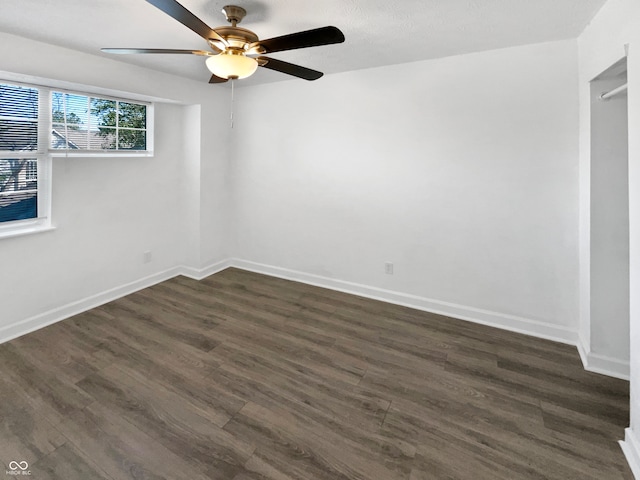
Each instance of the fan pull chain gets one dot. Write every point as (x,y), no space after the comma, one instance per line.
(233,82)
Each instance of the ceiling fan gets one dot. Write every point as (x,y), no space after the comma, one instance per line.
(237,52)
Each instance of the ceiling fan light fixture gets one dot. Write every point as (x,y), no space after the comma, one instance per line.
(231,65)
(230,45)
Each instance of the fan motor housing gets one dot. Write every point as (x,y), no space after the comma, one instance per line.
(236,36)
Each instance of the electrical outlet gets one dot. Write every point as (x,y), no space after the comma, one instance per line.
(388,268)
(146,257)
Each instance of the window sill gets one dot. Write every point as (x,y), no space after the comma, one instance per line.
(89,154)
(27,230)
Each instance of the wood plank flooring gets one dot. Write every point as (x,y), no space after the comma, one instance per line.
(247,377)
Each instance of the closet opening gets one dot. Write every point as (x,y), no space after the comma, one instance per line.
(609,329)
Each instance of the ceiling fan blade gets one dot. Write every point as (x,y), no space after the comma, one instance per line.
(308,38)
(155,50)
(289,68)
(216,79)
(188,19)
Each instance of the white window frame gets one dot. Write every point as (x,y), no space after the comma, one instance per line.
(60,152)
(43,221)
(44,154)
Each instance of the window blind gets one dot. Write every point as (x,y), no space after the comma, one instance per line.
(18,146)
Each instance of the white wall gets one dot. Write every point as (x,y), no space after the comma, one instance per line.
(600,46)
(461,171)
(108,211)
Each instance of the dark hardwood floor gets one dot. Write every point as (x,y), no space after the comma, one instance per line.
(247,377)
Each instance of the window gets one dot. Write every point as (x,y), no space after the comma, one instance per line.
(31,170)
(37,123)
(23,191)
(85,123)
(18,194)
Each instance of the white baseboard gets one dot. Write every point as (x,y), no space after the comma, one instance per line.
(583,351)
(485,317)
(631,448)
(602,364)
(592,362)
(199,274)
(74,308)
(42,320)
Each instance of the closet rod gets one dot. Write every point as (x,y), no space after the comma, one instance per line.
(615,91)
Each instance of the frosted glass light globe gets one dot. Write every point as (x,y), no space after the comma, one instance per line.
(229,65)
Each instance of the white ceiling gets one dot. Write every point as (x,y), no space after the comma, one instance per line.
(378,32)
